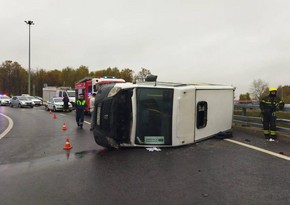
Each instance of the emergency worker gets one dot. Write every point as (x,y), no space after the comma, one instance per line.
(269,105)
(80,110)
(65,103)
(92,107)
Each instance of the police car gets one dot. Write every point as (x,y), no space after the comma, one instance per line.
(4,100)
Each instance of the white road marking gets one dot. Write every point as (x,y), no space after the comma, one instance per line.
(87,122)
(84,121)
(10,126)
(259,149)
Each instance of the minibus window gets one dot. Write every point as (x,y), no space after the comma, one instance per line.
(201,120)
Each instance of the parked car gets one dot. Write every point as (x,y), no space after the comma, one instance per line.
(56,104)
(36,101)
(4,100)
(21,101)
(39,98)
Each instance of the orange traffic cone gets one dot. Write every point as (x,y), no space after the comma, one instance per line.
(64,126)
(67,145)
(54,116)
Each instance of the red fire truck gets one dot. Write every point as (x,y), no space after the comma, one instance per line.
(88,86)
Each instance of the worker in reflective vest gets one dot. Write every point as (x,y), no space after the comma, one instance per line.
(80,110)
(269,105)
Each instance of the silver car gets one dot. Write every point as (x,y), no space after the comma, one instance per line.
(21,101)
(4,100)
(56,104)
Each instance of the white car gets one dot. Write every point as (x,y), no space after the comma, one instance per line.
(4,100)
(36,101)
(56,104)
(21,101)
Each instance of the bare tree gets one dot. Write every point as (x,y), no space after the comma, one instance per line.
(258,89)
(140,77)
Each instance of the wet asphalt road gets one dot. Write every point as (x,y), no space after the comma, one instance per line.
(34,168)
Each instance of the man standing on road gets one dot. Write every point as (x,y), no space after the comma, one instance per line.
(80,110)
(65,103)
(269,105)
(92,107)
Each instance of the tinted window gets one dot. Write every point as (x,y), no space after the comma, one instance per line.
(201,120)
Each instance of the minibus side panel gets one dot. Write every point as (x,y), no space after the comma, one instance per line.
(219,112)
(183,120)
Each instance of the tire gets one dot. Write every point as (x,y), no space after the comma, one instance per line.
(19,105)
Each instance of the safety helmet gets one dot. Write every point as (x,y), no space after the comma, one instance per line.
(272,89)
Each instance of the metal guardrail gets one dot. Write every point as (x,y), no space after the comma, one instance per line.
(257,121)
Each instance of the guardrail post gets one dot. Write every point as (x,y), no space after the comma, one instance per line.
(244,113)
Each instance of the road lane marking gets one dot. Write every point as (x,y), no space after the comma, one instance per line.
(10,125)
(87,122)
(259,149)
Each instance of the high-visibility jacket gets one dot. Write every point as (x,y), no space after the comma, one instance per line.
(270,104)
(81,104)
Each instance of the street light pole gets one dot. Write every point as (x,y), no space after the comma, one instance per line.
(29,23)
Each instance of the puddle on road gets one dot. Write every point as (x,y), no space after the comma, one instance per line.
(42,163)
(82,154)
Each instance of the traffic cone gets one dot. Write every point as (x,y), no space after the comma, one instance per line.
(54,116)
(64,126)
(67,145)
(50,112)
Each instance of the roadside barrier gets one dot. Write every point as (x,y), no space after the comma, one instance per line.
(245,120)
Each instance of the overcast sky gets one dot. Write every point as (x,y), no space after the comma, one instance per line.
(230,42)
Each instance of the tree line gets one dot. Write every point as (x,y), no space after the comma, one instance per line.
(260,89)
(14,78)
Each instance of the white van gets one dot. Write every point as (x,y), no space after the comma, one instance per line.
(161,114)
(52,92)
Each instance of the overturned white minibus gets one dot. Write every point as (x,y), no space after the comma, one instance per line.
(161,114)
